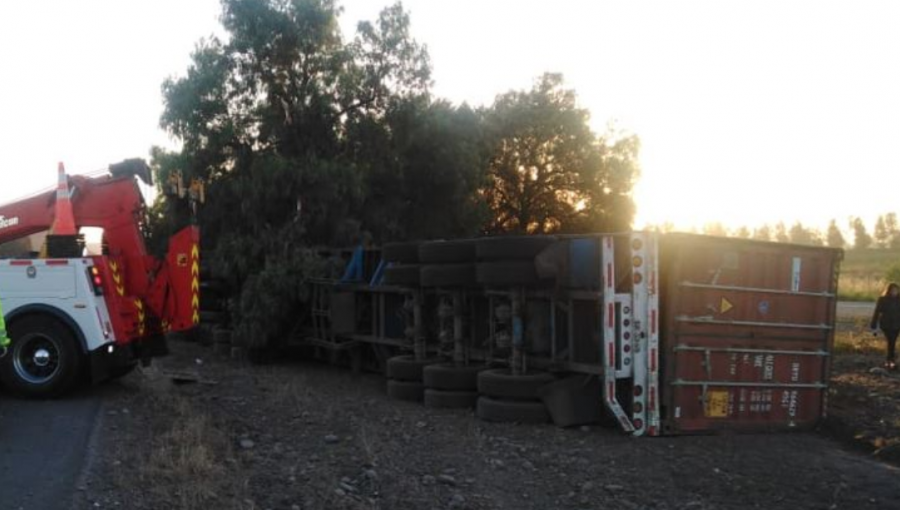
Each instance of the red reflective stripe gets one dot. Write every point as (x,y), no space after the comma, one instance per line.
(653,322)
(20,262)
(652,397)
(609,276)
(56,262)
(612,355)
(611,315)
(611,388)
(653,360)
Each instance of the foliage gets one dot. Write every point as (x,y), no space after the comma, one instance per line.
(424,166)
(893,273)
(861,238)
(305,139)
(834,237)
(880,234)
(893,231)
(548,171)
(864,272)
(715,229)
(269,120)
(763,233)
(781,234)
(802,235)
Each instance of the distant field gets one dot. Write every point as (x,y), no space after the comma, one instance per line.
(863,273)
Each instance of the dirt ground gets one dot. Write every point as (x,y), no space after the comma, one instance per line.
(300,435)
(864,399)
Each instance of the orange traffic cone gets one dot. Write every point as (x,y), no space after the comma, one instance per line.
(64,221)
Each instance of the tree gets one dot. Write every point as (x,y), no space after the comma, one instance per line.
(270,118)
(781,234)
(423,180)
(273,118)
(893,230)
(835,238)
(743,233)
(802,235)
(763,233)
(881,236)
(548,172)
(715,229)
(861,238)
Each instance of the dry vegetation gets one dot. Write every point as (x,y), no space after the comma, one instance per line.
(863,273)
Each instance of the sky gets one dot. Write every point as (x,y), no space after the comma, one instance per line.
(749,112)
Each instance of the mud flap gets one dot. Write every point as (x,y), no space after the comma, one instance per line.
(154,346)
(103,364)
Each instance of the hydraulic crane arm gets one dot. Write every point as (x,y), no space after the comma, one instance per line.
(114,203)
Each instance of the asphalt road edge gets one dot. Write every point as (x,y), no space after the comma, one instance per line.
(91,455)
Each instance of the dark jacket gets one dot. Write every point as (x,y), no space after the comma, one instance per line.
(887,314)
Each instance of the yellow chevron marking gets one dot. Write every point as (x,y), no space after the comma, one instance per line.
(116,277)
(195,285)
(195,301)
(196,317)
(120,289)
(139,304)
(195,252)
(114,266)
(195,269)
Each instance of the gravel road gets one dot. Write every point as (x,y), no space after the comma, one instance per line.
(309,436)
(855,310)
(43,447)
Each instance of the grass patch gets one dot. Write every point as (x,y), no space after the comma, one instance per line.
(858,342)
(187,457)
(859,288)
(863,273)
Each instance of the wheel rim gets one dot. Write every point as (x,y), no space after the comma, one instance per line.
(36,358)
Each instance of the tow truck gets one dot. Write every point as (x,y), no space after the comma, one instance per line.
(75,315)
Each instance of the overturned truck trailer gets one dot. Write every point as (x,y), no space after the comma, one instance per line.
(656,333)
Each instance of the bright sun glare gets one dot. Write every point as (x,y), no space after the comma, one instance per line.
(748,112)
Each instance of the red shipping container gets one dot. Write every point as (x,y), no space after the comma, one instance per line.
(748,331)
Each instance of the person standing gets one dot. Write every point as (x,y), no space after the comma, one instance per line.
(4,339)
(887,317)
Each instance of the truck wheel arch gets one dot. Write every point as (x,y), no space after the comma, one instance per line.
(53,312)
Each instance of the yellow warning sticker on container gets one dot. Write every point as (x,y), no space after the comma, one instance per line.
(717,404)
(726,306)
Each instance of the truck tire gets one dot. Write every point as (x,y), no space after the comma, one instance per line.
(447,252)
(402,253)
(448,275)
(512,248)
(407,368)
(501,383)
(445,376)
(402,275)
(507,273)
(405,390)
(44,360)
(491,409)
(439,399)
